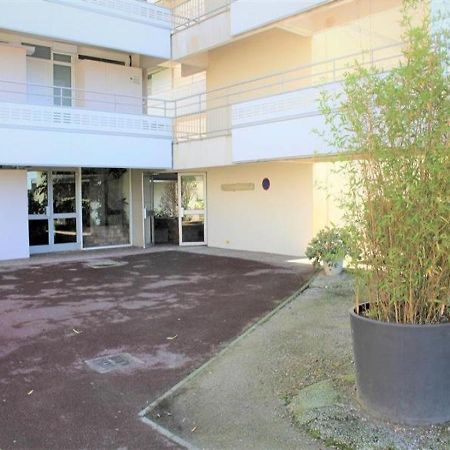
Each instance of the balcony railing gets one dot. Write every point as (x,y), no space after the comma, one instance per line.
(210,114)
(188,13)
(23,104)
(137,10)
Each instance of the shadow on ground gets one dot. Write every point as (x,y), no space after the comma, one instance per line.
(170,310)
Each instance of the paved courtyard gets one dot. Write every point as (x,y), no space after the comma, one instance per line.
(170,310)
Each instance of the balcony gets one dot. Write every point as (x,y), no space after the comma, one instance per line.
(127,25)
(55,126)
(199,25)
(268,118)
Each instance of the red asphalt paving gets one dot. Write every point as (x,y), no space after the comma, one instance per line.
(54,317)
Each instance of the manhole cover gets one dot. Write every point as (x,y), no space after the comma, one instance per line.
(105,364)
(104,263)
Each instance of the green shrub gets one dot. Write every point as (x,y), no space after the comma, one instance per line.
(330,245)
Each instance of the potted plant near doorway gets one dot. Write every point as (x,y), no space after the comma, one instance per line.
(392,132)
(329,248)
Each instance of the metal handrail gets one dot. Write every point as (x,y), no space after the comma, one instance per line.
(210,109)
(191,12)
(51,95)
(209,114)
(244,85)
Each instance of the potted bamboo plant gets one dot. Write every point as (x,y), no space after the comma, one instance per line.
(392,131)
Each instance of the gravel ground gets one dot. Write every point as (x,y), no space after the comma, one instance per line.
(246,398)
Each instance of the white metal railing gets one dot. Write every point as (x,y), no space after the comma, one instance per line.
(209,114)
(37,94)
(55,106)
(188,13)
(131,9)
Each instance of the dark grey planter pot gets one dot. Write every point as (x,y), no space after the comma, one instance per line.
(402,371)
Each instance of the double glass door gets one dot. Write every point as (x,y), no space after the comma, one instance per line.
(175,209)
(52,211)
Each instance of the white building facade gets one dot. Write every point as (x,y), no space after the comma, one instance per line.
(135,123)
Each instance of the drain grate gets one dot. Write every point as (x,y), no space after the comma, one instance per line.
(104,263)
(105,364)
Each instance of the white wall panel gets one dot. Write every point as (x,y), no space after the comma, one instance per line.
(83,22)
(13,215)
(34,147)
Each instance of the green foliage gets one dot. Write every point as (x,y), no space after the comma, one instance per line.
(329,245)
(392,131)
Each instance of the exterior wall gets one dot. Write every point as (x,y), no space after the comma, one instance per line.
(74,21)
(14,215)
(121,85)
(246,15)
(354,28)
(256,56)
(328,186)
(137,218)
(13,73)
(279,220)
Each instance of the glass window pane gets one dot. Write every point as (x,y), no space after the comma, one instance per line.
(40,51)
(65,231)
(62,58)
(193,228)
(192,192)
(106,207)
(62,79)
(38,232)
(64,200)
(37,183)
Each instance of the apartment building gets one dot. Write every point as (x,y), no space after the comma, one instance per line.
(136,123)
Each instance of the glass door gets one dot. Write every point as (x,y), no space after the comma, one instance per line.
(149,225)
(38,210)
(161,209)
(192,215)
(52,211)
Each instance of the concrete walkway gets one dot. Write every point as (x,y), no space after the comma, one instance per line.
(239,400)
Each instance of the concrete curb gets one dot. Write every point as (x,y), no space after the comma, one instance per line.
(177,439)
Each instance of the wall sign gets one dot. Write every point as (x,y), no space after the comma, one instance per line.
(238,187)
(266,184)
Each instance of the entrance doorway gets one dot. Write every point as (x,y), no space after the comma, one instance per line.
(192,217)
(53,210)
(161,209)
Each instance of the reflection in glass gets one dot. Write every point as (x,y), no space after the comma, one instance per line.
(37,183)
(38,232)
(62,78)
(106,207)
(166,211)
(193,228)
(192,192)
(63,192)
(65,231)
